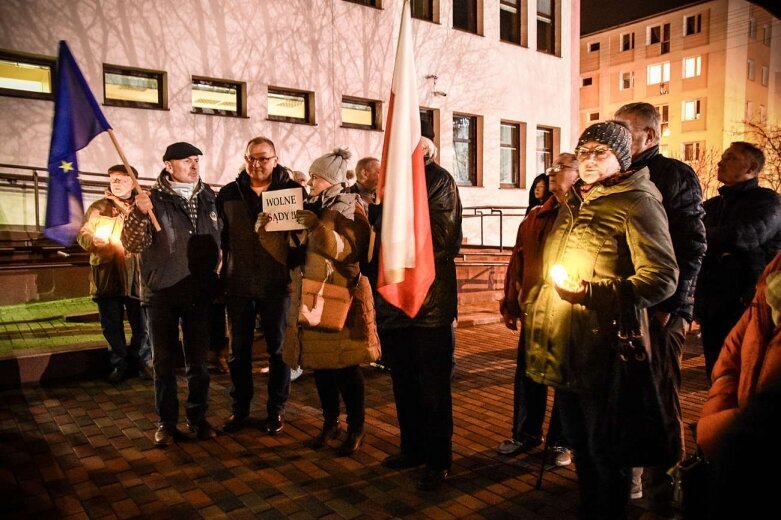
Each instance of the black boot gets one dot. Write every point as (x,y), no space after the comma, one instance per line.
(330,432)
(351,443)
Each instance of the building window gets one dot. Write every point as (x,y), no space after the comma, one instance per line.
(593,116)
(762,113)
(692,67)
(692,24)
(465,146)
(749,111)
(219,97)
(691,110)
(423,9)
(752,28)
(370,3)
(546,37)
(544,149)
(627,80)
(653,34)
(510,156)
(664,119)
(465,15)
(750,70)
(659,73)
(428,117)
(292,106)
(587,82)
(627,41)
(134,88)
(361,113)
(766,34)
(692,151)
(765,76)
(26,75)
(510,20)
(593,47)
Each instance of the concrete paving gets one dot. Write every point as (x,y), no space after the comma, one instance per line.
(83,449)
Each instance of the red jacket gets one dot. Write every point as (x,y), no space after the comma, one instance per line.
(525,267)
(749,362)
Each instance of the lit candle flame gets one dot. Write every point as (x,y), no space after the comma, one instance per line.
(103,232)
(559,274)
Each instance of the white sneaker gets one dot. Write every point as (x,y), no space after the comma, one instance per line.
(637,484)
(295,373)
(562,456)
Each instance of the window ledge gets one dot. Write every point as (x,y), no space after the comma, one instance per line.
(305,123)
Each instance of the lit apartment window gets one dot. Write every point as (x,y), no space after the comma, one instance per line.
(465,15)
(692,66)
(134,88)
(692,24)
(766,34)
(361,113)
(593,116)
(664,119)
(627,80)
(750,70)
(587,82)
(749,110)
(292,106)
(593,47)
(691,110)
(510,20)
(546,41)
(465,147)
(510,157)
(765,76)
(219,97)
(659,73)
(627,41)
(691,151)
(370,3)
(664,150)
(25,75)
(752,28)
(423,9)
(544,149)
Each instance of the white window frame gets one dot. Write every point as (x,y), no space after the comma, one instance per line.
(649,30)
(750,70)
(593,47)
(622,78)
(766,34)
(692,67)
(765,76)
(663,73)
(690,110)
(697,24)
(630,40)
(696,149)
(752,28)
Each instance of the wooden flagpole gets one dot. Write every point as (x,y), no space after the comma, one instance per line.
(129,171)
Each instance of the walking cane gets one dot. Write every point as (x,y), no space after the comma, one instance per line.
(545,450)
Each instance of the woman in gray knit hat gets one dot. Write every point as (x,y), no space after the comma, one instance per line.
(337,240)
(611,230)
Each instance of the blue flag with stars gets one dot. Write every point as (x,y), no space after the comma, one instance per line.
(77,120)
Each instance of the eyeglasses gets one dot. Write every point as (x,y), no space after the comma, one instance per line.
(558,168)
(600,152)
(259,160)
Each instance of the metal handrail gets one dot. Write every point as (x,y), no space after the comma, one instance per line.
(491,211)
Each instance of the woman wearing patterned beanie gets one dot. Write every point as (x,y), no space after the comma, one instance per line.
(611,229)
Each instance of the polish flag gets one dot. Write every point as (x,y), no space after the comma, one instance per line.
(406,263)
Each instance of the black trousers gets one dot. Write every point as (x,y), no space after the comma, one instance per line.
(273,317)
(420,360)
(715,326)
(348,382)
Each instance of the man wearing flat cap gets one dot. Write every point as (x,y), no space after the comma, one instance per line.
(178,283)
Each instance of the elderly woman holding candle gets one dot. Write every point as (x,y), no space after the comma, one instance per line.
(611,228)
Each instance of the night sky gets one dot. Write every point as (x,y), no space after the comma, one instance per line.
(596,15)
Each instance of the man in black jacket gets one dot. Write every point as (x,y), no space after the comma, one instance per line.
(419,350)
(682,201)
(256,280)
(744,233)
(179,283)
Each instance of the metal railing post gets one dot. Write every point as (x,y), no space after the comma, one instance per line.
(37,202)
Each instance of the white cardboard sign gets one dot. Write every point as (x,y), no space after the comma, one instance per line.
(282,206)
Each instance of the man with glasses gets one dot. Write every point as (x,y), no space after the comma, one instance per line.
(256,281)
(523,271)
(682,202)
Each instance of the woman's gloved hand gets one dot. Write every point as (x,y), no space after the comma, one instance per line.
(307,218)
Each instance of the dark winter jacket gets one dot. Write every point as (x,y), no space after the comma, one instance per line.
(187,245)
(441,304)
(743,225)
(113,271)
(682,201)
(619,231)
(251,266)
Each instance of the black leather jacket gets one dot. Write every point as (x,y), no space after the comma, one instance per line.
(682,201)
(441,304)
(743,226)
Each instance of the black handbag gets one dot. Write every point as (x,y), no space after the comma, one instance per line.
(633,425)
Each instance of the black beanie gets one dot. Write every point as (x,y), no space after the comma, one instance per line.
(614,134)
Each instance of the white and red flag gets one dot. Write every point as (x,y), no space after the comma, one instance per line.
(406,263)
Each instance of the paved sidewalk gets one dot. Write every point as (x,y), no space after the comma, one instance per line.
(84,450)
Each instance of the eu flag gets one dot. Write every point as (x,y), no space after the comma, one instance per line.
(77,120)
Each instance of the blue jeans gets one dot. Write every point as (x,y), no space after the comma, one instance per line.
(111,311)
(165,315)
(273,318)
